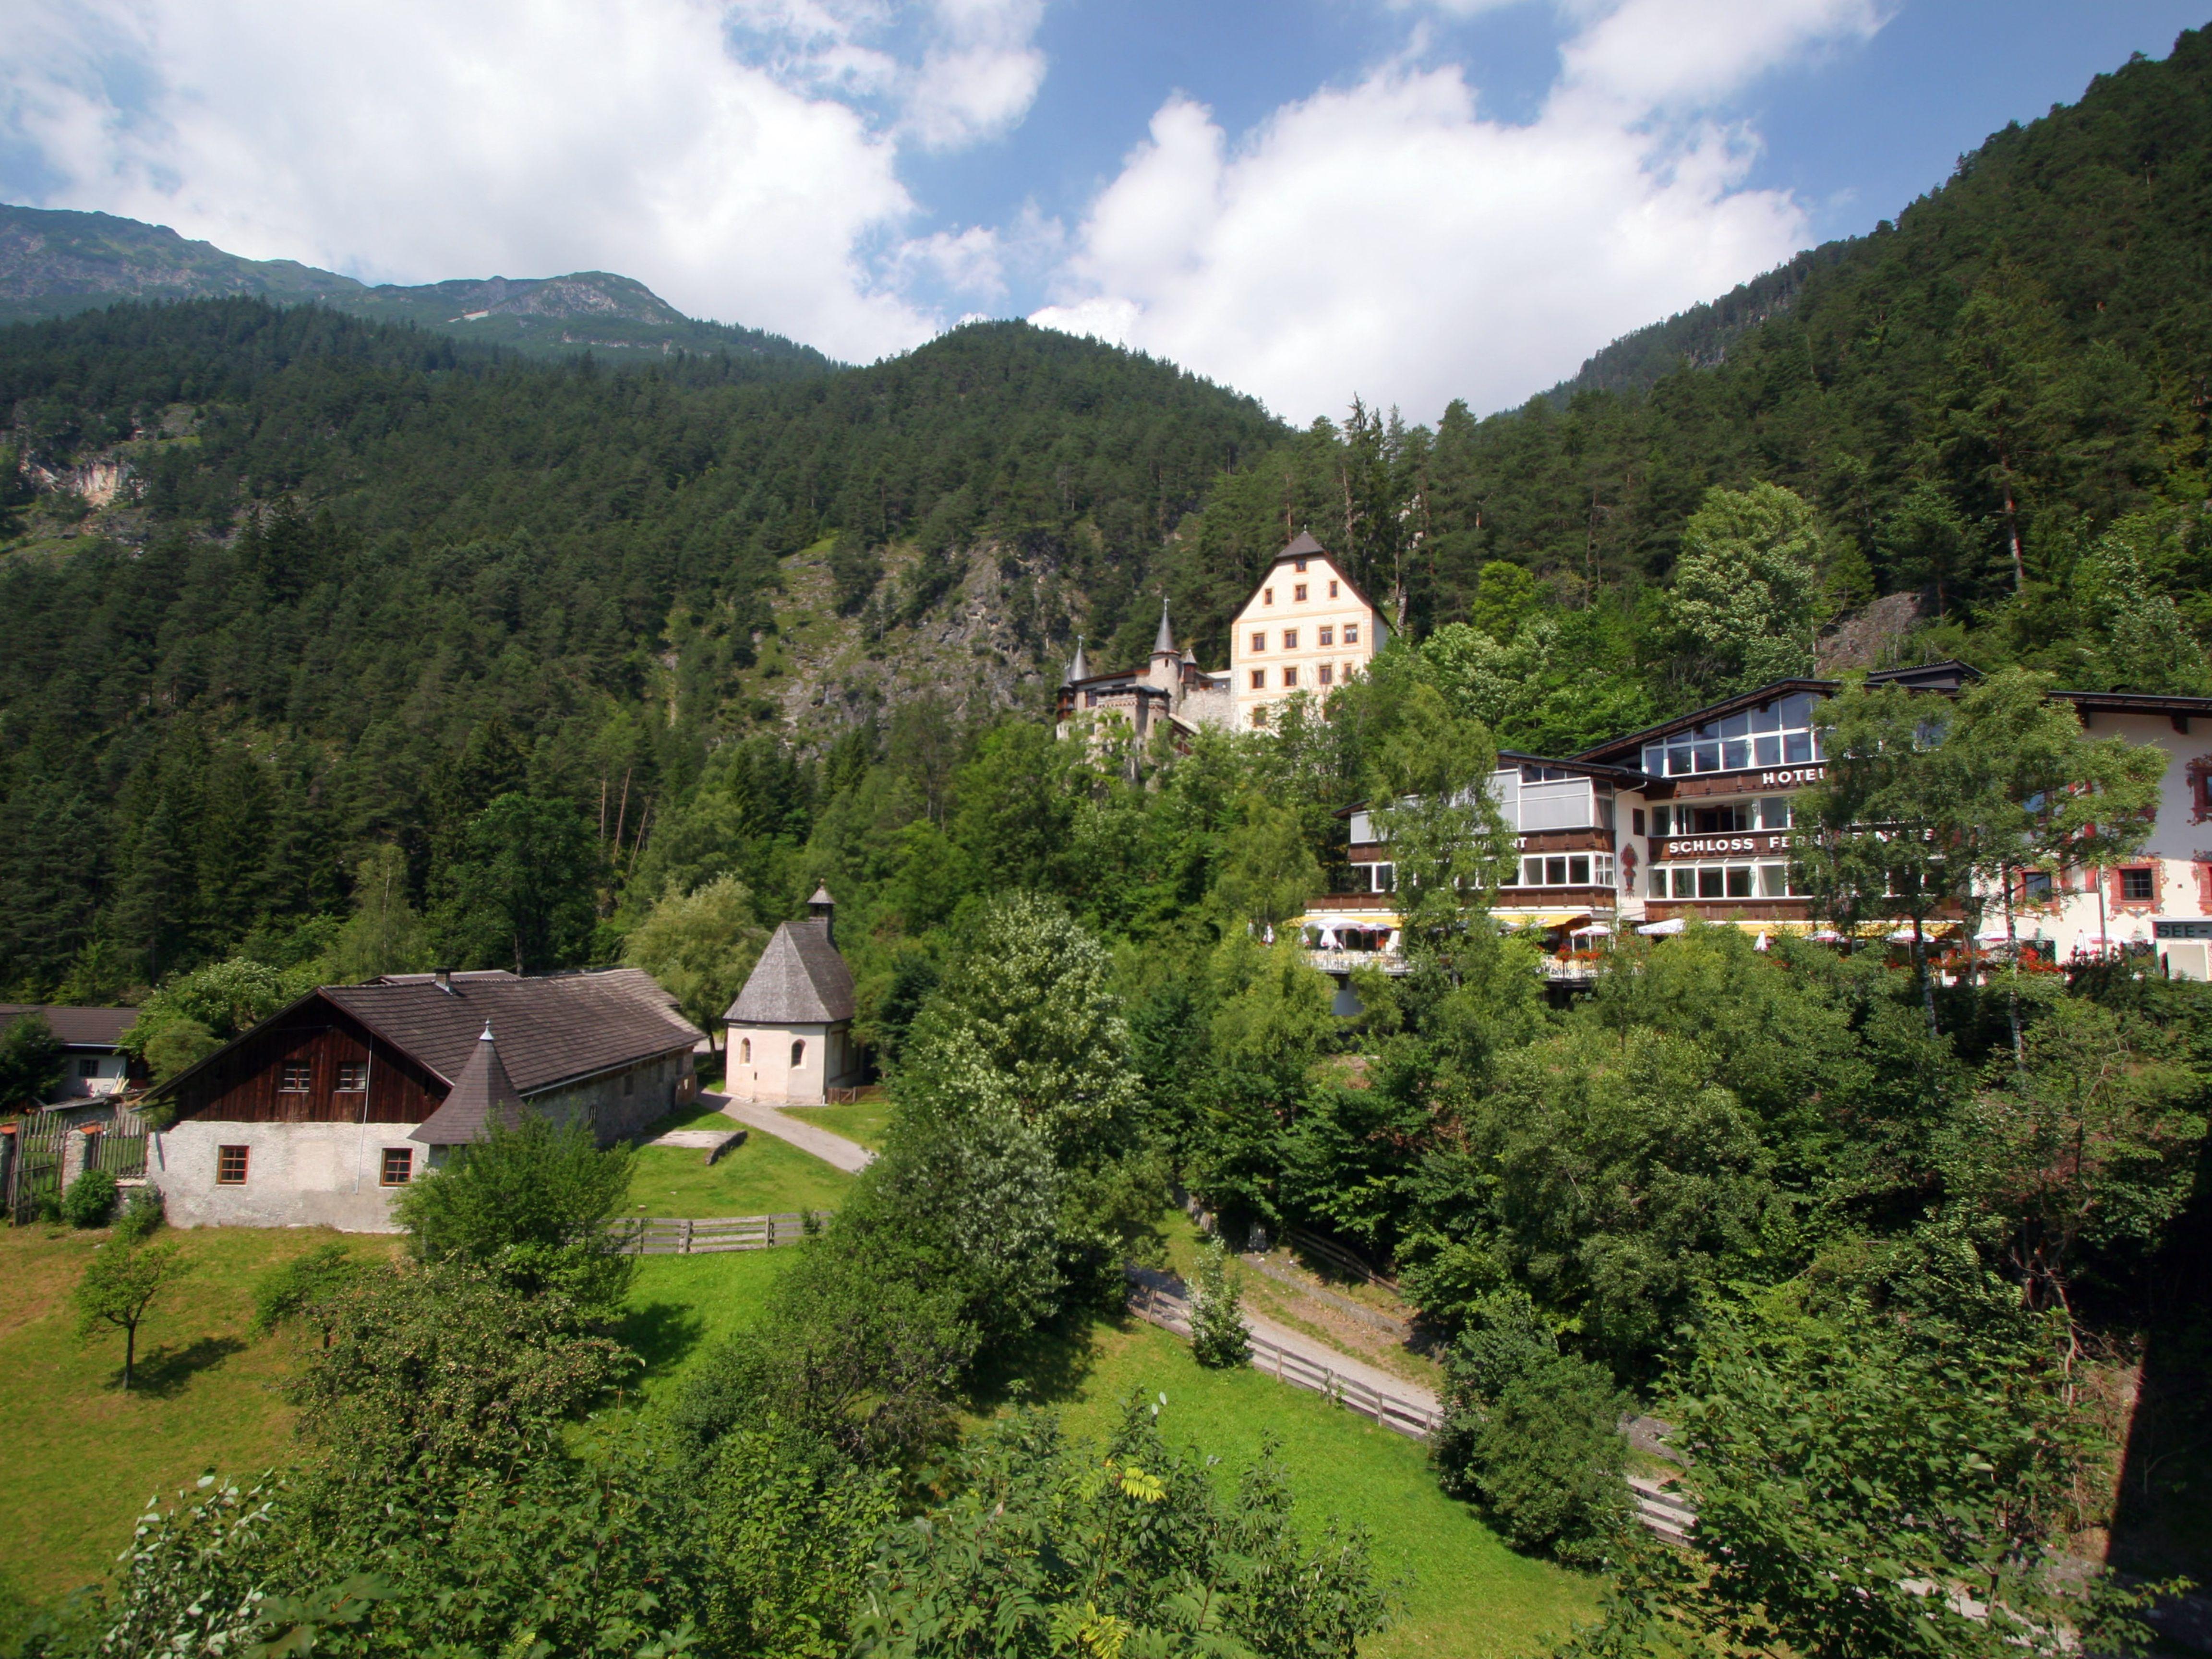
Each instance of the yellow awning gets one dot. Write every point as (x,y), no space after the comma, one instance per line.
(1540,918)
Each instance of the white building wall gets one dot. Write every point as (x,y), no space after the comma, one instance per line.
(1274,607)
(298,1175)
(831,1060)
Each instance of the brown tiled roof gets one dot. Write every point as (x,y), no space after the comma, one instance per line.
(77,1028)
(551,1031)
(799,980)
(483,1094)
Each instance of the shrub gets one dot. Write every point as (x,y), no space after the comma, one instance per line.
(90,1200)
(31,1058)
(118,1286)
(1533,1434)
(305,1288)
(142,1215)
(1218,1334)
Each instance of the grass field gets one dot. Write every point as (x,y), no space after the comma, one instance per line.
(1465,1594)
(764,1176)
(82,1455)
(865,1120)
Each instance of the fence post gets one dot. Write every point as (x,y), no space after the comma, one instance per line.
(687,1237)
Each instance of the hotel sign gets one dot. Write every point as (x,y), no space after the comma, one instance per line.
(1707,847)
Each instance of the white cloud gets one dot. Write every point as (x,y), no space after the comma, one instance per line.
(726,155)
(1385,238)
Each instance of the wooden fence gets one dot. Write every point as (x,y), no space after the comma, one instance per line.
(1407,1417)
(685,1237)
(1659,1511)
(42,1152)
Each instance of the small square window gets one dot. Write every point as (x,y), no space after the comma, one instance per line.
(1259,642)
(1739,881)
(1259,679)
(2138,886)
(297,1077)
(1290,677)
(1266,596)
(1351,633)
(1579,871)
(353,1076)
(1299,565)
(399,1166)
(89,1067)
(1290,639)
(1327,674)
(1298,594)
(2035,887)
(1712,882)
(230,1166)
(1328,637)
(1555,872)
(1686,881)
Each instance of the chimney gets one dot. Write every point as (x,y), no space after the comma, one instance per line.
(820,907)
(443,977)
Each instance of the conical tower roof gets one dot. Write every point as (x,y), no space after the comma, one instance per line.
(1164,646)
(484,1094)
(1077,669)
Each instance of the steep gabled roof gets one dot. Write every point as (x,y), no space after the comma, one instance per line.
(484,1094)
(77,1028)
(799,980)
(554,1030)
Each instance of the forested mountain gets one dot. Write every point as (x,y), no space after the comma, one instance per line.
(285,587)
(357,582)
(54,262)
(1998,403)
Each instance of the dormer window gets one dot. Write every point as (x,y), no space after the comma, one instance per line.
(1266,596)
(1298,594)
(1259,642)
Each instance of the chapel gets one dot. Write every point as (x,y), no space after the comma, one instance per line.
(788,1037)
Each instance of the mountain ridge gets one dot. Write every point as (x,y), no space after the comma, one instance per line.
(57,262)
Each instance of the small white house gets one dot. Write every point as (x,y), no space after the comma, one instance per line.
(790,1031)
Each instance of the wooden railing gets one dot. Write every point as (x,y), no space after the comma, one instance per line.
(1406,1417)
(685,1236)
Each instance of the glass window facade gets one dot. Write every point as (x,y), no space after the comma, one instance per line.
(1780,734)
(1720,880)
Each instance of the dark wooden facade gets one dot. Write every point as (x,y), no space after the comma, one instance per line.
(243,1084)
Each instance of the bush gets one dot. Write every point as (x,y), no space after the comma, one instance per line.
(1218,1335)
(1533,1434)
(90,1200)
(142,1215)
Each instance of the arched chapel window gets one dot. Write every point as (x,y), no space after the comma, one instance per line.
(745,1051)
(799,1054)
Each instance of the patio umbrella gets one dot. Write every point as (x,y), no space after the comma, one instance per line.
(1665,929)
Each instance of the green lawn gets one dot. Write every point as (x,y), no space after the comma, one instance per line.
(764,1176)
(83,1455)
(682,1305)
(1466,1595)
(866,1120)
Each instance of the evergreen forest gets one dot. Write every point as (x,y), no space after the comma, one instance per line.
(396,652)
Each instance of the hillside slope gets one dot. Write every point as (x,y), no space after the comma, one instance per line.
(55,264)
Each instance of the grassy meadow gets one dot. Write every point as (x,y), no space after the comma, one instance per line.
(85,1456)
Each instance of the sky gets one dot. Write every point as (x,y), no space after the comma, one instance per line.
(1404,201)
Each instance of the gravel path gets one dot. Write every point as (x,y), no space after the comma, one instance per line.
(835,1151)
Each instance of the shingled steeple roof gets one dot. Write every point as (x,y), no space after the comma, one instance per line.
(799,980)
(1164,646)
(484,1094)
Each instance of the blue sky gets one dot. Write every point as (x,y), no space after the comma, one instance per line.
(1407,200)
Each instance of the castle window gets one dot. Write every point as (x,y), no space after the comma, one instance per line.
(1327,674)
(1328,637)
(1259,642)
(1290,639)
(1298,594)
(1351,633)
(2138,886)
(1290,677)
(1259,679)
(799,1054)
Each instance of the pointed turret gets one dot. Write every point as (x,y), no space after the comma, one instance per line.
(1164,646)
(1077,669)
(822,909)
(482,1094)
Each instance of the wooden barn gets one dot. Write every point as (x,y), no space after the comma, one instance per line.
(320,1114)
